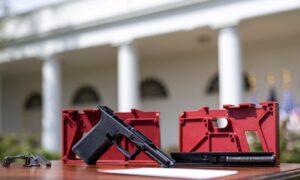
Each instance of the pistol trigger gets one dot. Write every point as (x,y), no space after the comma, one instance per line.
(121,149)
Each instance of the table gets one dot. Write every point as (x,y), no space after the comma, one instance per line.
(61,171)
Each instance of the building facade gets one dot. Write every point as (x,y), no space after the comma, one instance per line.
(166,56)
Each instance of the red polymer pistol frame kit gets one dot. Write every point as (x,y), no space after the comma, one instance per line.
(100,136)
(76,124)
(204,143)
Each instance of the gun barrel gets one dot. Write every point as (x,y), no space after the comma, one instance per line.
(160,156)
(226,158)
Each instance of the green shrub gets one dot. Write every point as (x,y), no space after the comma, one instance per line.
(289,145)
(11,145)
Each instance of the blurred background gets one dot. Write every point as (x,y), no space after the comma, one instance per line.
(166,55)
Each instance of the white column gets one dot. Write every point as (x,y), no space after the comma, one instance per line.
(51,117)
(230,66)
(128,77)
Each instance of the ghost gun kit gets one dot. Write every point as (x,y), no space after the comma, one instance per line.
(77,123)
(109,131)
(204,142)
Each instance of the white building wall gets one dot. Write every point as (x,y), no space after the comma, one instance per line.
(16,90)
(76,13)
(101,76)
(273,57)
(185,76)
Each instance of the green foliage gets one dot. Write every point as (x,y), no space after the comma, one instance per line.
(289,145)
(171,149)
(256,147)
(11,145)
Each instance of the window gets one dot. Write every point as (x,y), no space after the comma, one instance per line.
(153,89)
(34,101)
(86,95)
(213,85)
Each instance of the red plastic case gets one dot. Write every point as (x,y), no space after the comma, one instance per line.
(198,132)
(77,123)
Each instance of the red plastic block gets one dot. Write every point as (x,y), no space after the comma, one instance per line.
(77,123)
(199,131)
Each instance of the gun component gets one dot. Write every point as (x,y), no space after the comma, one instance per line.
(29,160)
(225,159)
(77,123)
(109,131)
(199,131)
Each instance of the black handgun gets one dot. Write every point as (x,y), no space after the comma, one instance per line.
(109,131)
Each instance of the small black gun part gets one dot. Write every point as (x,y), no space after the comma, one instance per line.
(109,131)
(29,160)
(225,158)
(39,159)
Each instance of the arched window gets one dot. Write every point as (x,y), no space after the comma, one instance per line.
(86,95)
(33,101)
(153,89)
(213,85)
